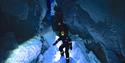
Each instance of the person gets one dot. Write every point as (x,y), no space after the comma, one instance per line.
(67,44)
(61,29)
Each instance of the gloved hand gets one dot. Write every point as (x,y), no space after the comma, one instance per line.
(54,44)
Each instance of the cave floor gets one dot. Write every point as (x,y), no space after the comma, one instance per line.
(52,55)
(30,50)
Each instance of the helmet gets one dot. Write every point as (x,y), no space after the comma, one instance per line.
(62,33)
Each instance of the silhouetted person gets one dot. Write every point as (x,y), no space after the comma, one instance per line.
(66,44)
(61,30)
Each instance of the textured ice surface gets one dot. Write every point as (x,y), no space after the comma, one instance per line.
(52,55)
(26,52)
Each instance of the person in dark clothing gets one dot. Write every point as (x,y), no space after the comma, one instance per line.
(61,30)
(66,44)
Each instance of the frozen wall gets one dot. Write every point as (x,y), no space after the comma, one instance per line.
(99,23)
(102,21)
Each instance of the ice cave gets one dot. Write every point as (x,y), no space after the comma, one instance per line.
(28,30)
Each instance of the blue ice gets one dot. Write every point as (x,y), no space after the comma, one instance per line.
(30,50)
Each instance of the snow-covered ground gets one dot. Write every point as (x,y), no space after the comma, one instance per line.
(52,55)
(28,51)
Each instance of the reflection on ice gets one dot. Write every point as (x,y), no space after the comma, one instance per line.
(30,50)
(26,52)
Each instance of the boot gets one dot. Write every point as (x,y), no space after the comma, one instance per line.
(67,60)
